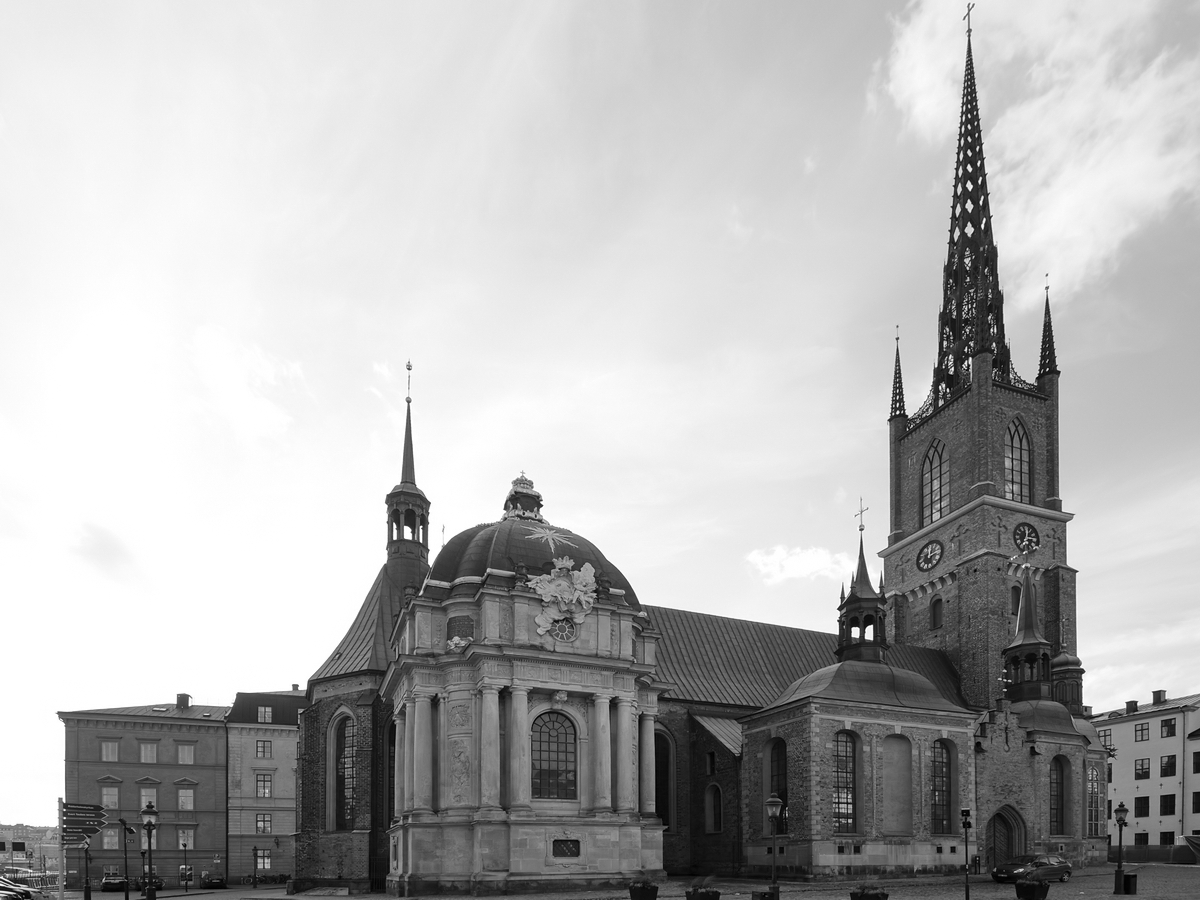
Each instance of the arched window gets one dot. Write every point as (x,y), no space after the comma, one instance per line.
(712,809)
(552,759)
(1093,804)
(777,781)
(1016,599)
(1018,467)
(935,484)
(344,776)
(1058,783)
(940,782)
(935,613)
(845,778)
(664,779)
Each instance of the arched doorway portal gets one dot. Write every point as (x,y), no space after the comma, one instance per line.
(1005,836)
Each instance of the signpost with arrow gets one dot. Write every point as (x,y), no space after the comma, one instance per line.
(77,822)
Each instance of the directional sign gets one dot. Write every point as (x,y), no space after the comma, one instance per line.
(84,821)
(85,830)
(82,807)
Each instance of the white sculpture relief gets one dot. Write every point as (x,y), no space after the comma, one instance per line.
(565,594)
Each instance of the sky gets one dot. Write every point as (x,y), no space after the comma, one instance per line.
(654,255)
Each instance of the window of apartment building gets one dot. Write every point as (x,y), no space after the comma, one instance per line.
(186,838)
(262,749)
(110,751)
(1141,768)
(153,839)
(110,839)
(148,795)
(1166,838)
(110,797)
(1195,762)
(262,823)
(1166,805)
(1105,735)
(187,798)
(1141,807)
(1196,801)
(1141,839)
(1141,731)
(1110,809)
(1167,766)
(187,754)
(262,859)
(1167,728)
(264,713)
(148,753)
(1110,773)
(262,785)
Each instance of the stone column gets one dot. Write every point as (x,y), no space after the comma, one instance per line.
(398,798)
(410,713)
(423,756)
(602,754)
(518,748)
(624,755)
(646,751)
(489,748)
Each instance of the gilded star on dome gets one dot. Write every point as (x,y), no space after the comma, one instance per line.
(549,536)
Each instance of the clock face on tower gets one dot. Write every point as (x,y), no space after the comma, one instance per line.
(1025,534)
(929,555)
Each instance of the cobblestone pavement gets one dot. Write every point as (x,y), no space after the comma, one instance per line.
(1155,882)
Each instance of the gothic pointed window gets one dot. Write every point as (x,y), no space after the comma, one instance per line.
(1093,807)
(1018,456)
(345,775)
(845,777)
(553,757)
(1057,796)
(935,484)
(940,782)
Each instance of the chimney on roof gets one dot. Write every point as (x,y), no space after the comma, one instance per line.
(1131,706)
(183,701)
(1160,697)
(295,687)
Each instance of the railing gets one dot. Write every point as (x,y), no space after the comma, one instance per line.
(1148,853)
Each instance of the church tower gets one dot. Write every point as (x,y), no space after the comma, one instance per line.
(974,471)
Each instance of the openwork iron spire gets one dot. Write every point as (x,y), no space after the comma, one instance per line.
(972,317)
(897,387)
(1049,361)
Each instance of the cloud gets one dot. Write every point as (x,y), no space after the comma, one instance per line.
(781,563)
(105,551)
(1091,134)
(237,380)
(384,371)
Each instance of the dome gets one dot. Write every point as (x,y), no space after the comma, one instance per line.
(523,538)
(874,683)
(1047,716)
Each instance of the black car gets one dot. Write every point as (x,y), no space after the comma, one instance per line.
(212,880)
(140,884)
(113,883)
(1032,867)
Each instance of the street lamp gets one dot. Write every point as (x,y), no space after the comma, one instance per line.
(966,824)
(774,807)
(186,877)
(126,830)
(149,823)
(254,871)
(1120,813)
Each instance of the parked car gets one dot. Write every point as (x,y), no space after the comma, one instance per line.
(24,891)
(113,883)
(1034,868)
(140,883)
(212,880)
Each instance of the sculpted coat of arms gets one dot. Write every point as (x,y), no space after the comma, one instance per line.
(565,594)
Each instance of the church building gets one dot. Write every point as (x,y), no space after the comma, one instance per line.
(510,716)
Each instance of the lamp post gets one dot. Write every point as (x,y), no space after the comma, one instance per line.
(149,823)
(87,871)
(187,878)
(143,878)
(1120,813)
(966,824)
(774,807)
(126,830)
(254,871)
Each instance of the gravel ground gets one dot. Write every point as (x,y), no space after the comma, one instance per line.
(1155,882)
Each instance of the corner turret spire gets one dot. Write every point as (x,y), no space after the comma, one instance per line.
(1049,361)
(1027,658)
(897,387)
(861,616)
(408,507)
(972,317)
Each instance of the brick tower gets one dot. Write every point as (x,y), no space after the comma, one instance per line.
(974,471)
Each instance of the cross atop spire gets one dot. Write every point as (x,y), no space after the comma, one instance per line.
(972,317)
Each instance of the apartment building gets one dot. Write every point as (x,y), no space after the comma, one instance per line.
(1154,768)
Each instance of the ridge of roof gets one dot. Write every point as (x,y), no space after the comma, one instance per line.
(157,711)
(1169,703)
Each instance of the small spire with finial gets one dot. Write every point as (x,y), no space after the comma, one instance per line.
(859,515)
(408,398)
